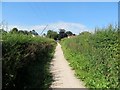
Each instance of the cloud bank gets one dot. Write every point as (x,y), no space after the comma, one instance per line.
(68,26)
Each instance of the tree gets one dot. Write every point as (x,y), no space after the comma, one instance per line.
(62,30)
(24,32)
(69,33)
(44,34)
(14,30)
(21,31)
(85,33)
(52,34)
(33,32)
(62,34)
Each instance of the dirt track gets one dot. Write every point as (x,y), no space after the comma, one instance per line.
(63,75)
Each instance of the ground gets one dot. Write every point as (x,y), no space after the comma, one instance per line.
(63,74)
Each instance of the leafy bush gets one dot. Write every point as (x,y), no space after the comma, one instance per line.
(94,57)
(25,61)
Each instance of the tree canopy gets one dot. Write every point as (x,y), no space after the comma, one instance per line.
(69,33)
(58,36)
(15,30)
(52,34)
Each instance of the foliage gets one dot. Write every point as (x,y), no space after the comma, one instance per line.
(25,61)
(62,34)
(33,32)
(85,32)
(52,34)
(95,57)
(69,33)
(15,30)
(58,36)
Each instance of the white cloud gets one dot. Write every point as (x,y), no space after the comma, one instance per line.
(74,27)
(68,26)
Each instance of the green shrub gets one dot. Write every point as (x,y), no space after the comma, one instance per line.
(94,57)
(25,61)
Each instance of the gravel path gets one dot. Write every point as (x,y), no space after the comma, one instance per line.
(63,75)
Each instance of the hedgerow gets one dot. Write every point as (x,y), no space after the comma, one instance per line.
(25,61)
(95,57)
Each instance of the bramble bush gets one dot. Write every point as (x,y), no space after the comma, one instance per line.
(95,57)
(25,61)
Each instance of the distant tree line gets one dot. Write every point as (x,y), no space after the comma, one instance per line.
(15,30)
(50,33)
(58,36)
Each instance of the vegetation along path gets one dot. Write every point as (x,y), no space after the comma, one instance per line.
(62,73)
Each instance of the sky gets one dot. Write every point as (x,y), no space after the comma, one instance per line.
(60,0)
(72,16)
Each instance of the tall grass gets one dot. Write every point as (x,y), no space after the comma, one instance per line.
(25,61)
(95,57)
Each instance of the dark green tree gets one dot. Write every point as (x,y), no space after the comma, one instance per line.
(69,33)
(52,34)
(14,30)
(44,35)
(62,34)
(23,32)
(33,32)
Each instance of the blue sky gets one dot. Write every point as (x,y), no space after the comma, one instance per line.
(75,16)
